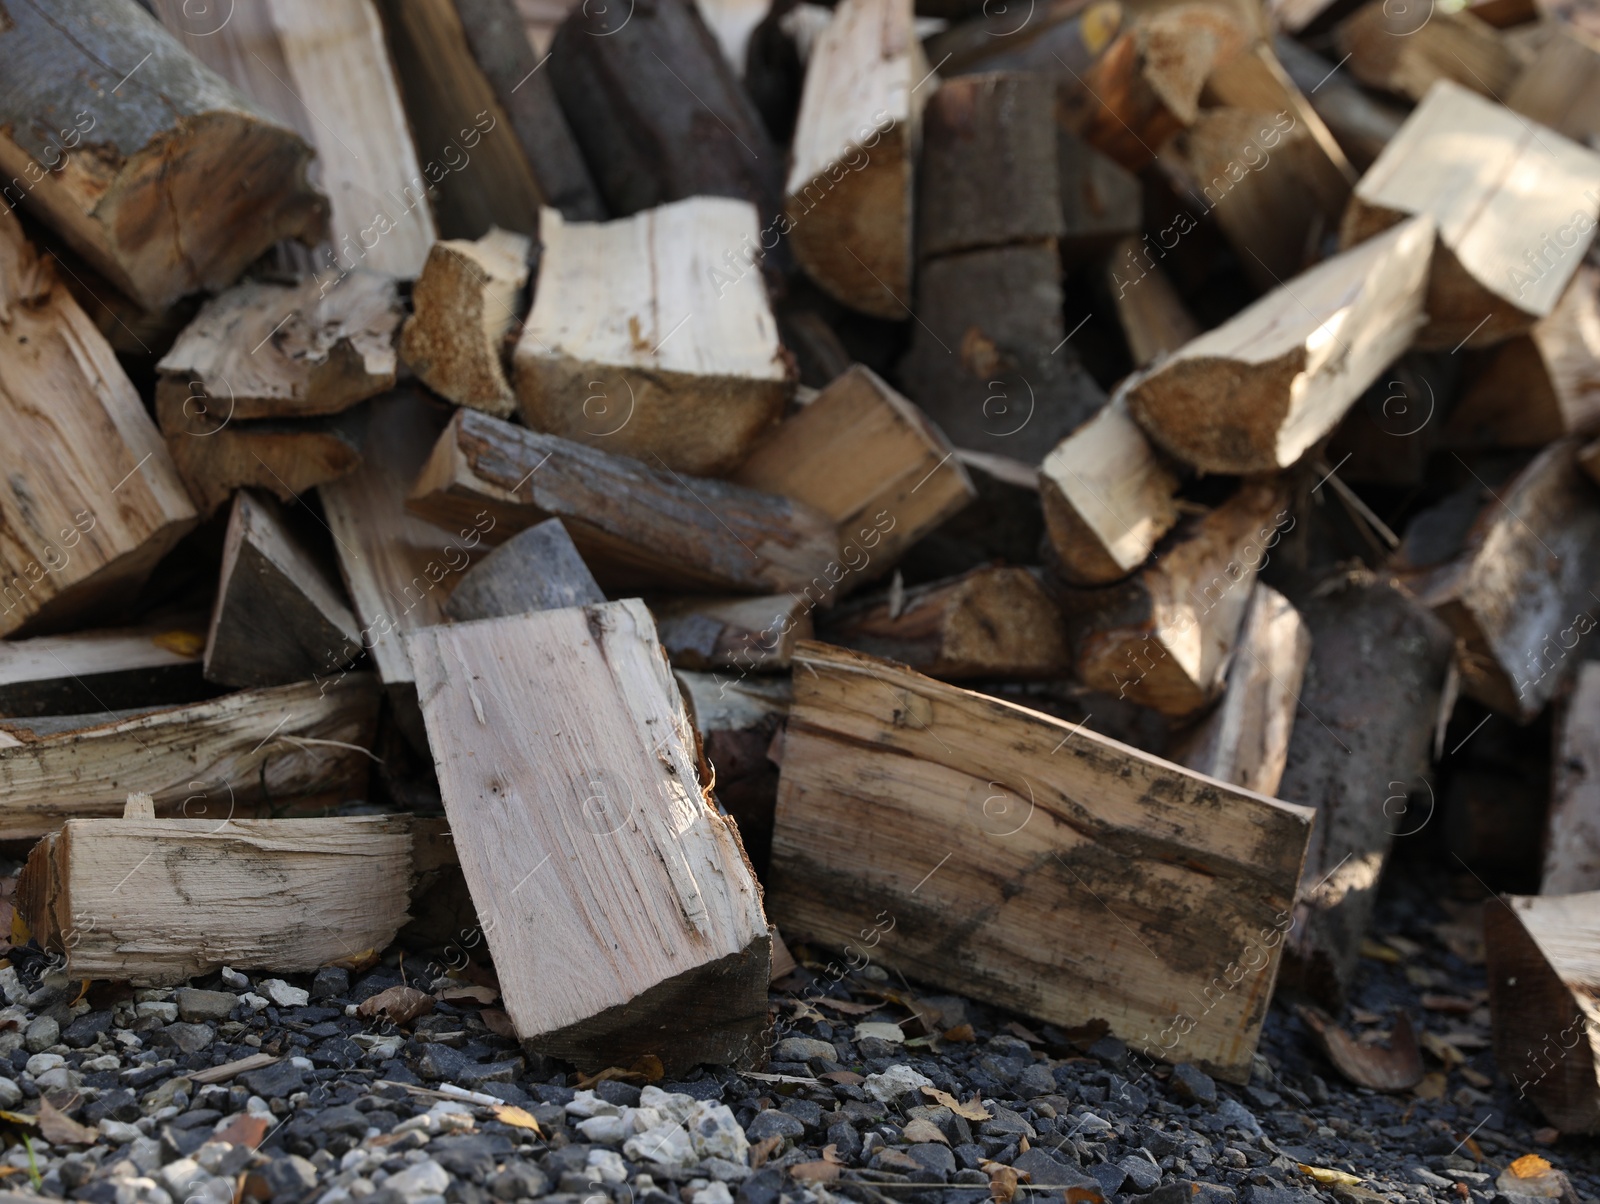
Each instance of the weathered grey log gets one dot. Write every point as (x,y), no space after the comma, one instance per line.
(536,569)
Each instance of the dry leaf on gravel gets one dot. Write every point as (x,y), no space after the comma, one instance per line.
(401,1005)
(1397,1068)
(968,1111)
(58,1128)
(510,1114)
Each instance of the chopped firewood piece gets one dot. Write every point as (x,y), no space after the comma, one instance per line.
(637,526)
(215,456)
(1378,666)
(1164,637)
(658,112)
(1572,829)
(1537,387)
(1154,319)
(322,67)
(278,618)
(536,569)
(155,902)
(466,299)
(865,457)
(1107,498)
(1095,853)
(1515,209)
(169,181)
(1397,50)
(1245,740)
(562,744)
(1255,393)
(156,664)
(1522,584)
(1544,972)
(282,351)
(753,634)
(641,344)
(1362,124)
(1560,88)
(988,174)
(1061,38)
(857,132)
(990,623)
(89,500)
(207,760)
(1101,201)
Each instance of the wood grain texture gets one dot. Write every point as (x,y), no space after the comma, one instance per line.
(1153,317)
(208,760)
(1255,393)
(1572,828)
(89,500)
(186,183)
(151,665)
(155,902)
(1560,88)
(622,915)
(756,634)
(1076,878)
(216,457)
(636,526)
(1397,51)
(1101,201)
(652,337)
(1515,208)
(536,569)
(1361,124)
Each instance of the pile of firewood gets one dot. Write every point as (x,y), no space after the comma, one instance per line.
(946,462)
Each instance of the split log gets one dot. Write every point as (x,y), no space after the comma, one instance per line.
(1544,974)
(536,569)
(89,501)
(857,131)
(1245,740)
(1516,211)
(265,350)
(657,111)
(155,664)
(1362,125)
(187,182)
(561,740)
(1407,51)
(639,343)
(1522,584)
(278,617)
(216,457)
(1037,862)
(1255,393)
(321,66)
(1101,201)
(990,623)
(1107,499)
(989,358)
(861,454)
(636,526)
(1062,39)
(1372,689)
(1560,88)
(1388,436)
(752,634)
(155,902)
(1572,828)
(1153,317)
(466,300)
(212,760)
(1164,637)
(1003,526)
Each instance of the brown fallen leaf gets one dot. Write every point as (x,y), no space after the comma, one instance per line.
(845,1078)
(961,1034)
(1003,1180)
(1532,1175)
(1398,1068)
(497,1022)
(510,1114)
(357,962)
(1327,1174)
(762,1150)
(401,1005)
(919,1130)
(1027,1034)
(824,1170)
(58,1128)
(1447,1003)
(891,1159)
(968,1111)
(849,1006)
(245,1129)
(647,1069)
(1440,1048)
(470,992)
(1547,1136)
(1483,1082)
(1433,1086)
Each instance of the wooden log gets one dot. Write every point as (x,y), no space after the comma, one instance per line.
(1560,88)
(1038,861)
(155,902)
(1255,393)
(1511,597)
(1387,437)
(658,112)
(187,182)
(1153,317)
(1543,964)
(857,132)
(1362,124)
(1164,637)
(751,634)
(278,617)
(466,300)
(1506,251)
(1003,526)
(155,664)
(1407,52)
(1245,739)
(536,569)
(1101,201)
(216,457)
(1061,38)
(321,67)
(264,350)
(1371,691)
(1572,827)
(89,501)
(667,953)
(208,760)
(989,359)
(639,344)
(1107,498)
(636,526)
(989,624)
(861,453)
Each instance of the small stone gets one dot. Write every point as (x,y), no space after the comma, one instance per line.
(62,1078)
(87,1029)
(608,1166)
(727,1172)
(1035,1081)
(1143,1175)
(665,1145)
(712,1193)
(289,1177)
(194,1004)
(933,1156)
(330,982)
(275,1082)
(1191,1085)
(519,1181)
(285,996)
(163,1010)
(894,1082)
(187,1038)
(43,1063)
(803,1049)
(1006,1123)
(605,1130)
(1428,1179)
(41,1035)
(880,1030)
(773,1123)
(426,1178)
(10,1094)
(714,1133)
(233,980)
(1110,1176)
(1231,1112)
(118,1132)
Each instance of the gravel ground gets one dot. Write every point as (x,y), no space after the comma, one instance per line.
(354,1108)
